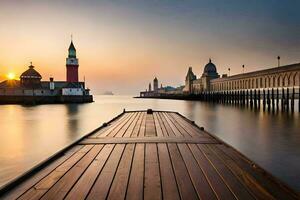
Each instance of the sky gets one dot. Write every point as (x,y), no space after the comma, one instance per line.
(123,44)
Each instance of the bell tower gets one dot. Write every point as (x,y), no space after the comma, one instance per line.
(72,64)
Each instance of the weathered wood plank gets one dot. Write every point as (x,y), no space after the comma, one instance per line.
(245,178)
(172,126)
(86,181)
(157,125)
(166,125)
(198,178)
(47,182)
(101,187)
(62,187)
(150,126)
(126,126)
(231,181)
(143,127)
(193,130)
(152,187)
(135,188)
(119,184)
(169,185)
(115,130)
(130,129)
(184,182)
(177,125)
(137,126)
(123,140)
(106,130)
(216,182)
(27,184)
(275,189)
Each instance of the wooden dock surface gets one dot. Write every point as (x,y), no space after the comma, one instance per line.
(149,156)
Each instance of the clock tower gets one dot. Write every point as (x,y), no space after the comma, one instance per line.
(72,64)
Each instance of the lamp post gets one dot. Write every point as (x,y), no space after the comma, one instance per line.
(243,68)
(278,59)
(229,71)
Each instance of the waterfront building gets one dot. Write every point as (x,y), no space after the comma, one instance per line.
(189,79)
(30,87)
(287,76)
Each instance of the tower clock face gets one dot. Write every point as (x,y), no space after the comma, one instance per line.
(72,61)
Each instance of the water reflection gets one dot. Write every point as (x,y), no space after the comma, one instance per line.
(30,134)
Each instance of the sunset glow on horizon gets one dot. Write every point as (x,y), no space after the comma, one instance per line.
(122,46)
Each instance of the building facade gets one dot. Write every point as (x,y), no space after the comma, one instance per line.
(31,85)
(277,77)
(196,86)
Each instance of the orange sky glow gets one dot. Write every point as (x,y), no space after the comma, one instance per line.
(121,48)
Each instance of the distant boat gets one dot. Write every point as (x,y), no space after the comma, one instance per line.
(108,93)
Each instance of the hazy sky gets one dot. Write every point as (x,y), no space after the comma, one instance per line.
(122,45)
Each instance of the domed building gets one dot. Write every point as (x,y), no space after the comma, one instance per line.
(195,86)
(31,87)
(210,70)
(30,78)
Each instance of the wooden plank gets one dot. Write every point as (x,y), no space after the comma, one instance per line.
(231,181)
(111,125)
(178,125)
(123,129)
(184,182)
(133,125)
(137,129)
(143,127)
(216,182)
(27,184)
(256,189)
(192,129)
(152,187)
(157,125)
(101,187)
(169,185)
(119,184)
(137,126)
(135,189)
(198,178)
(172,126)
(150,126)
(47,182)
(115,130)
(62,187)
(163,128)
(276,189)
(86,181)
(166,125)
(123,140)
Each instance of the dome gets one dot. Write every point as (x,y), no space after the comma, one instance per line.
(210,68)
(31,73)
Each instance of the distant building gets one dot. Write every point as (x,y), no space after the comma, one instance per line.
(196,86)
(72,65)
(31,87)
(155,85)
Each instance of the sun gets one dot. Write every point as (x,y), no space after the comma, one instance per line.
(11,76)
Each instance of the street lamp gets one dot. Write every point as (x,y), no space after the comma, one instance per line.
(229,71)
(243,68)
(278,58)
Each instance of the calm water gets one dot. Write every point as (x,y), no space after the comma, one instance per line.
(30,134)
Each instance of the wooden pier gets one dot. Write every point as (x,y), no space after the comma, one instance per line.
(154,155)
